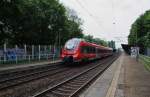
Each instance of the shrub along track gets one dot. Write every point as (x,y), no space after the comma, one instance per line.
(53,78)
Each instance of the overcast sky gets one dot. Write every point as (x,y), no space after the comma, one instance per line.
(108,19)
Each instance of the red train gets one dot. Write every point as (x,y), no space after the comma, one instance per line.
(76,50)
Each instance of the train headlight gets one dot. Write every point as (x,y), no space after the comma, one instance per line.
(75,55)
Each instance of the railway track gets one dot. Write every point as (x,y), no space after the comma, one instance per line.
(4,84)
(55,76)
(15,78)
(71,86)
(5,74)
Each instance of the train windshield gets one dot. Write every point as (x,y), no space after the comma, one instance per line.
(72,43)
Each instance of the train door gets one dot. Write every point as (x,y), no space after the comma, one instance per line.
(96,52)
(98,55)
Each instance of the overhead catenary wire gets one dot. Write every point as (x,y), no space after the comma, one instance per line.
(95,19)
(89,13)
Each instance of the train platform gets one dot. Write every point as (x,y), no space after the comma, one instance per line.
(126,77)
(6,67)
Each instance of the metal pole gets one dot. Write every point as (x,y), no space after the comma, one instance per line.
(54,52)
(59,39)
(32,51)
(5,50)
(39,53)
(50,47)
(25,51)
(45,52)
(29,58)
(16,47)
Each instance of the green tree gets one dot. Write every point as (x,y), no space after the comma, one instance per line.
(139,30)
(90,38)
(100,41)
(72,26)
(112,44)
(36,22)
(148,40)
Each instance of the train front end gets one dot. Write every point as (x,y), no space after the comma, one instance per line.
(71,51)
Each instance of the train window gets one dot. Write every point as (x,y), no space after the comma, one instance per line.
(84,49)
(88,49)
(72,44)
(94,50)
(99,51)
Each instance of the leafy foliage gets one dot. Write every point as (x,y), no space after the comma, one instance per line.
(148,40)
(99,41)
(36,22)
(112,44)
(140,31)
(39,22)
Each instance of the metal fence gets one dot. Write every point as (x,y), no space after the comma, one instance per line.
(28,53)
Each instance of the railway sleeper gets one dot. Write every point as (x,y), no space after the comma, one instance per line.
(80,80)
(83,78)
(73,85)
(60,93)
(49,95)
(66,89)
(76,83)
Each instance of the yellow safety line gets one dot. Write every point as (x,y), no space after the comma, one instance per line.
(112,89)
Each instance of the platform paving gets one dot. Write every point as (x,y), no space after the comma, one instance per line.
(126,77)
(101,86)
(136,79)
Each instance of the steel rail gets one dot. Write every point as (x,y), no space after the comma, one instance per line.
(40,94)
(18,80)
(24,69)
(92,79)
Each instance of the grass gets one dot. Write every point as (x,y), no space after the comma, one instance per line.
(146,61)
